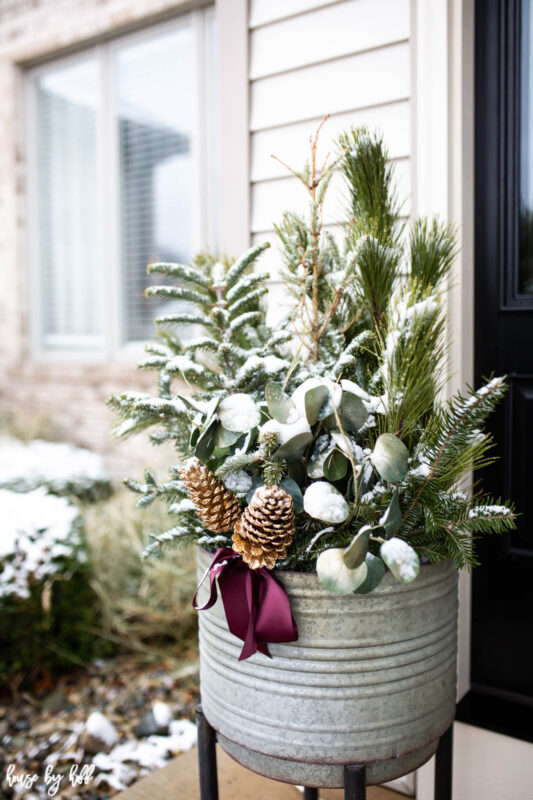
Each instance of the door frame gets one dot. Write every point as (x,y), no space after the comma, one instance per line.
(443,147)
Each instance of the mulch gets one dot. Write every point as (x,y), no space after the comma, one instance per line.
(40,729)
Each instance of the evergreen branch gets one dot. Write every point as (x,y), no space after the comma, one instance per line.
(183,318)
(432,251)
(244,285)
(248,318)
(178,293)
(240,461)
(180,271)
(452,421)
(243,263)
(247,302)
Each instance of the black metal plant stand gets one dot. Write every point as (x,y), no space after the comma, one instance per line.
(354,774)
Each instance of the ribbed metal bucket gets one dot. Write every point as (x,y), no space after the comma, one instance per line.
(371,680)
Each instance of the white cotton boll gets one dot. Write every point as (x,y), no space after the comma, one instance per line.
(323,501)
(238,481)
(288,431)
(238,413)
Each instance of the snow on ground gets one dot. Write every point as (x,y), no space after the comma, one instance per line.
(37,531)
(62,468)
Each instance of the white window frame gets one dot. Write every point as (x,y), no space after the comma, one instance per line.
(110,347)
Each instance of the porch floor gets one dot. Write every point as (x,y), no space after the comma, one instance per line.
(179,781)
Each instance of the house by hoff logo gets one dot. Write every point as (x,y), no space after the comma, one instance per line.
(53,781)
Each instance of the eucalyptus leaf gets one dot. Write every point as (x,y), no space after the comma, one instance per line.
(367,479)
(390,457)
(195,434)
(315,401)
(352,411)
(225,438)
(401,559)
(292,488)
(335,576)
(193,404)
(206,442)
(335,466)
(355,553)
(296,471)
(392,518)
(376,571)
(295,447)
(279,403)
(211,409)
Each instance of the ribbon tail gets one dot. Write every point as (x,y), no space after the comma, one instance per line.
(250,642)
(216,567)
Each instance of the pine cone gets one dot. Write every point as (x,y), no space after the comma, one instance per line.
(266,528)
(218,508)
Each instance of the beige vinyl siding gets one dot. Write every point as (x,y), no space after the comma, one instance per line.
(264,11)
(349,59)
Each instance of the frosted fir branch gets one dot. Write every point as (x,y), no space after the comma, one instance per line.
(239,462)
(242,264)
(245,284)
(220,318)
(177,293)
(201,343)
(248,318)
(154,362)
(352,352)
(178,533)
(236,352)
(214,542)
(161,437)
(279,338)
(181,271)
(261,367)
(250,299)
(489,511)
(158,349)
(183,318)
(132,403)
(317,536)
(184,365)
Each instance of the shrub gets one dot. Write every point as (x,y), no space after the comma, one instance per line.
(62,468)
(47,607)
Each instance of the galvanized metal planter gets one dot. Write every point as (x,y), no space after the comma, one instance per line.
(371,680)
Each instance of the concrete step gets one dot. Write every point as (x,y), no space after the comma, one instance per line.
(179,781)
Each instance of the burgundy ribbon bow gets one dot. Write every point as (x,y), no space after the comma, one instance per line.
(256,605)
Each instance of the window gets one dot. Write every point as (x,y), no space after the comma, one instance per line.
(122,172)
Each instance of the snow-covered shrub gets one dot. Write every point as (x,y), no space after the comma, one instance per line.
(47,607)
(40,533)
(62,468)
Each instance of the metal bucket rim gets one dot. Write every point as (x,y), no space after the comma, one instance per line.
(278,571)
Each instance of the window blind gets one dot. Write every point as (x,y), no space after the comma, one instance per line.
(67,103)
(155,116)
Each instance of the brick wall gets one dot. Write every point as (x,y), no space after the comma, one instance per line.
(72,396)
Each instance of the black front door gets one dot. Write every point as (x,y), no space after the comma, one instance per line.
(502,611)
